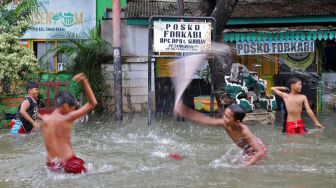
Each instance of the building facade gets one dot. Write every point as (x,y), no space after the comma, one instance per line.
(286,26)
(300,39)
(51,25)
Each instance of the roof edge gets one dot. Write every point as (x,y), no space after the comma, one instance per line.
(258,21)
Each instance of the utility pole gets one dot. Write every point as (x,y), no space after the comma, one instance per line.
(116,24)
(181,7)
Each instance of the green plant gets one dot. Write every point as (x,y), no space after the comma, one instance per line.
(85,53)
(17,64)
(15,18)
(2,118)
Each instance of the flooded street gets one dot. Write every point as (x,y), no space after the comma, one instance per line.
(135,155)
(146,57)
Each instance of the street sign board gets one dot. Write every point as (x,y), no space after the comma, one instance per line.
(181,36)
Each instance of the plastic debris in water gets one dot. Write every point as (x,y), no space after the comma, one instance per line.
(175,156)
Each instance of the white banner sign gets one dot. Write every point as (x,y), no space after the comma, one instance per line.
(181,36)
(274,47)
(76,16)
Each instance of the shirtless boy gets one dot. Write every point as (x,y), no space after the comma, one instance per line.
(56,129)
(294,102)
(253,148)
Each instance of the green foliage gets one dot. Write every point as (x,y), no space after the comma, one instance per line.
(16,18)
(85,53)
(17,64)
(2,117)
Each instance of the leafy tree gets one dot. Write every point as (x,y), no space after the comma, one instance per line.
(15,16)
(17,64)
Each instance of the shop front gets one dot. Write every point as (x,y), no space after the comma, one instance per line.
(284,52)
(53,26)
(58,22)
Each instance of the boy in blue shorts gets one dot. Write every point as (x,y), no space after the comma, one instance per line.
(27,113)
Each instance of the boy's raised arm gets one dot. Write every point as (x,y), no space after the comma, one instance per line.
(92,102)
(88,92)
(279,90)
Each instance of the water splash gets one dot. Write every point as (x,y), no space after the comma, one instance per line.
(231,159)
(185,68)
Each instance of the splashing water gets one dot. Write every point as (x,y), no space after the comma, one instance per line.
(184,68)
(135,155)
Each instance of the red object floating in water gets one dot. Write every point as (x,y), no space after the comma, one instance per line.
(175,156)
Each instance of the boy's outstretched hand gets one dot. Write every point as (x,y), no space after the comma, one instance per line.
(79,77)
(319,126)
(179,108)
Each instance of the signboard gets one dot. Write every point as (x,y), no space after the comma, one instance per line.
(181,36)
(274,47)
(76,16)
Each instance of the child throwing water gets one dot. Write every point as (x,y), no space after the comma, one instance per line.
(253,148)
(56,129)
(294,102)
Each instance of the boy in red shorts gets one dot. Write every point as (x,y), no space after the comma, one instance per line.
(56,129)
(294,102)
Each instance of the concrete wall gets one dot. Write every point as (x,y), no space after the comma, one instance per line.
(134,87)
(134,67)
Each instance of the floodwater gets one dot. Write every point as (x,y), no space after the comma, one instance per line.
(135,155)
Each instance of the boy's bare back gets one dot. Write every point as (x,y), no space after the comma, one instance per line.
(56,132)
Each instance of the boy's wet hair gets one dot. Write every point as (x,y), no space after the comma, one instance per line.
(293,80)
(31,85)
(238,112)
(66,98)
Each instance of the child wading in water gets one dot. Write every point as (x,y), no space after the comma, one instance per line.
(56,129)
(294,102)
(27,113)
(253,148)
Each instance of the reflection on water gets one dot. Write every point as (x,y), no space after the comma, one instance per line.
(135,155)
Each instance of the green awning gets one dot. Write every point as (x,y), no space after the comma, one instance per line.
(280,36)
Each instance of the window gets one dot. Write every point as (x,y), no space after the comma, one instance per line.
(49,61)
(61,58)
